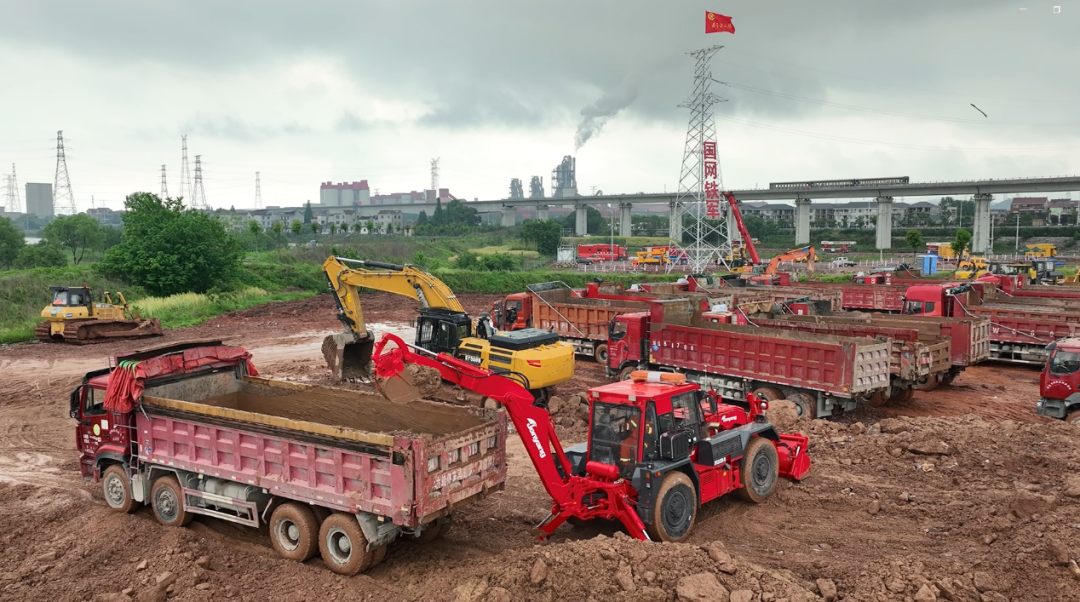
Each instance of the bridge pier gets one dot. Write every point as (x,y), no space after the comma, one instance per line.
(581,219)
(802,222)
(884,222)
(509,216)
(980,237)
(732,227)
(542,212)
(674,223)
(625,217)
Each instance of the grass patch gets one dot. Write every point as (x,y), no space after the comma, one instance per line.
(508,249)
(189,309)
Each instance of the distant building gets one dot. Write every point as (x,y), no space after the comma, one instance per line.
(414,197)
(105,216)
(1029,205)
(39,199)
(384,221)
(344,194)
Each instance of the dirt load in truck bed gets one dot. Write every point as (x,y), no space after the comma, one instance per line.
(303,406)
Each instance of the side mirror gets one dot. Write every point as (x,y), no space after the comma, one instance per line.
(74,401)
(711,398)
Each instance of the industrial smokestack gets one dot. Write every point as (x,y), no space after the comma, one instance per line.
(607,106)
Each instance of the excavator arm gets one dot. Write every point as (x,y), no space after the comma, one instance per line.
(748,241)
(349,354)
(597,494)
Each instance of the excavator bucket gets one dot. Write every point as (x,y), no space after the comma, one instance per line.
(791,451)
(348,357)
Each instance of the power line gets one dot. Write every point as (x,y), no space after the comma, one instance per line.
(63,197)
(887,112)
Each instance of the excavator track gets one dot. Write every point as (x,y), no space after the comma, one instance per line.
(82,332)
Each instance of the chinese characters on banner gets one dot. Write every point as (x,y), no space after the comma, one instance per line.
(712,192)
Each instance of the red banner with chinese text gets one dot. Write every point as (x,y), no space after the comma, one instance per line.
(717,23)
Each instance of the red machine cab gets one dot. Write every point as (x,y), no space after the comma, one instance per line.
(1059,384)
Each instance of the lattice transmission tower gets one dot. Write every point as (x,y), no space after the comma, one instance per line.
(198,194)
(258,192)
(435,176)
(185,175)
(12,198)
(63,197)
(699,221)
(164,186)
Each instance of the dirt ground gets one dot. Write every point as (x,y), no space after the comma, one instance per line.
(960,494)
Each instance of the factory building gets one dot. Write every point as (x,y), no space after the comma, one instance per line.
(344,194)
(39,199)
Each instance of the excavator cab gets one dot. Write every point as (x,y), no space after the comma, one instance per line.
(442,330)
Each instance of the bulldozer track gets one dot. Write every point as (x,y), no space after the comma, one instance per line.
(82,332)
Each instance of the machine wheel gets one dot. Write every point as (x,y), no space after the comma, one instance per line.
(931,383)
(294,531)
(903,396)
(343,545)
(804,404)
(947,379)
(625,373)
(600,354)
(675,510)
(167,500)
(1073,417)
(769,393)
(758,470)
(377,556)
(117,489)
(877,400)
(431,534)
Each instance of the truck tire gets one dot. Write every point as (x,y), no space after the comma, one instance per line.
(116,486)
(804,404)
(625,373)
(675,510)
(343,545)
(1073,417)
(758,471)
(430,534)
(294,531)
(377,556)
(600,354)
(947,379)
(768,393)
(903,396)
(167,500)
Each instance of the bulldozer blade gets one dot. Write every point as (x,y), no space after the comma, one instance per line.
(347,357)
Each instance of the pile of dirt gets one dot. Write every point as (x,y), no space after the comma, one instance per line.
(620,568)
(570,415)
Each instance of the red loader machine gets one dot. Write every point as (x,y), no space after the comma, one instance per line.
(1059,384)
(658,447)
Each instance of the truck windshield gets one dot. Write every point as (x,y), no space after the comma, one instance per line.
(615,436)
(617,330)
(1065,362)
(913,307)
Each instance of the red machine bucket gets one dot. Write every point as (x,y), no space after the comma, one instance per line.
(791,450)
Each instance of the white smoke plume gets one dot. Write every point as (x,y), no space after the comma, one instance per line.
(607,106)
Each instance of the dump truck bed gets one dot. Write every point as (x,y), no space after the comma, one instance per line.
(342,449)
(575,317)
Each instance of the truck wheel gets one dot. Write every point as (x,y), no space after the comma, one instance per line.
(167,500)
(117,488)
(675,510)
(625,373)
(294,532)
(343,545)
(931,383)
(903,396)
(804,404)
(600,354)
(430,534)
(947,379)
(377,556)
(1073,417)
(758,470)
(321,513)
(768,393)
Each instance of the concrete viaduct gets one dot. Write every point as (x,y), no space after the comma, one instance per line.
(981,190)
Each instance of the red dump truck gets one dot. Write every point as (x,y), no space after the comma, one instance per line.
(821,374)
(581,321)
(191,430)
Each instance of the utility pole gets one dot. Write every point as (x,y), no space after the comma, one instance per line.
(185,175)
(1018,232)
(63,197)
(164,187)
(258,192)
(198,194)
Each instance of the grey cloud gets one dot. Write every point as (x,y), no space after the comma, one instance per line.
(231,128)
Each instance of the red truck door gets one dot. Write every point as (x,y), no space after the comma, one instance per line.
(627,338)
(513,313)
(98,432)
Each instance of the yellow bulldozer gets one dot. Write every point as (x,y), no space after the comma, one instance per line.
(74,317)
(534,357)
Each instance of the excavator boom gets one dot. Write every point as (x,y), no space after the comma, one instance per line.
(748,241)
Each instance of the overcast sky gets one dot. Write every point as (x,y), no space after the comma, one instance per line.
(354,89)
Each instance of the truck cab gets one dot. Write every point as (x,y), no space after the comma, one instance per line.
(512,313)
(1059,383)
(628,342)
(102,437)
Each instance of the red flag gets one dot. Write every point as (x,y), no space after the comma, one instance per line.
(717,23)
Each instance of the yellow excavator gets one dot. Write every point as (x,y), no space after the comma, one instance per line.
(534,357)
(74,317)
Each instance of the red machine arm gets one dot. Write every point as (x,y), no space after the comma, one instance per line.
(585,497)
(742,227)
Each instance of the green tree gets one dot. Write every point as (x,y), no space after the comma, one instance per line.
(370,227)
(962,242)
(594,220)
(11,242)
(76,233)
(278,228)
(169,249)
(915,241)
(420,221)
(438,218)
(333,231)
(111,237)
(41,255)
(357,227)
(315,228)
(296,227)
(256,230)
(544,234)
(308,213)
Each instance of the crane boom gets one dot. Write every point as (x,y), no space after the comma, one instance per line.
(743,232)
